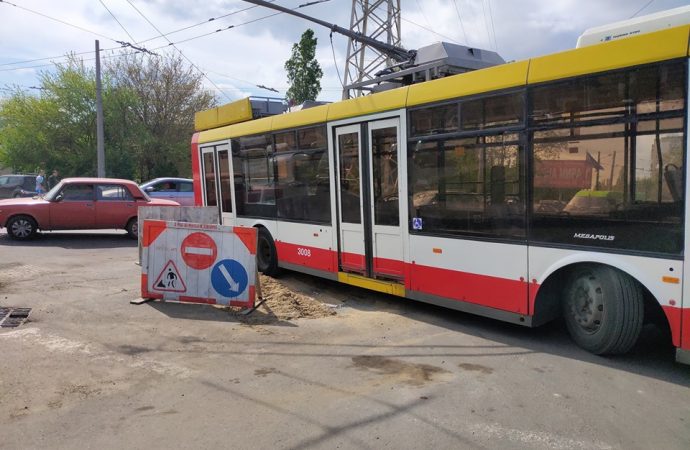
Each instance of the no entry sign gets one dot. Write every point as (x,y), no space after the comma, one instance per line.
(198,263)
(199,250)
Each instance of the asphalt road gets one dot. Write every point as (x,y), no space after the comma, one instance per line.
(90,370)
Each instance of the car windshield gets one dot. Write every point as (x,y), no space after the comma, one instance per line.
(51,194)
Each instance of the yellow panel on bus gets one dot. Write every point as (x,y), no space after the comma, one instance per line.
(643,49)
(238,129)
(370,104)
(235,112)
(204,120)
(301,118)
(475,82)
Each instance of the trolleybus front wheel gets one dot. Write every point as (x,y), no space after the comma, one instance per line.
(603,309)
(266,256)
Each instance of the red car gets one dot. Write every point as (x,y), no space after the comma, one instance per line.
(78,203)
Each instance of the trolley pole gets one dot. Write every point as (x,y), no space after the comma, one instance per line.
(100,147)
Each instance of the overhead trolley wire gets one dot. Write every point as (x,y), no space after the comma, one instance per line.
(493,29)
(180,51)
(118,22)
(156,37)
(58,20)
(462,25)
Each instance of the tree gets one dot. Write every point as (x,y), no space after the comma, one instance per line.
(55,129)
(303,71)
(148,105)
(166,95)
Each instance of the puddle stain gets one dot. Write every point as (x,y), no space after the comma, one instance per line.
(132,349)
(265,371)
(409,373)
(476,368)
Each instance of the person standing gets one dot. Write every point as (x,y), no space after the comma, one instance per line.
(40,189)
(53,179)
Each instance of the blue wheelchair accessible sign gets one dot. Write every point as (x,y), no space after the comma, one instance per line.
(229,278)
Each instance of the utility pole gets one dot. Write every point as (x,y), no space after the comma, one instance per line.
(378,19)
(100,146)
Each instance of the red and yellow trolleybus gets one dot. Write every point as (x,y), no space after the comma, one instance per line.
(527,191)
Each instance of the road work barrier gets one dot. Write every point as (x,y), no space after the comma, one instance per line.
(198,263)
(192,214)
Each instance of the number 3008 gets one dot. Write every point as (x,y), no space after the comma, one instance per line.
(304,252)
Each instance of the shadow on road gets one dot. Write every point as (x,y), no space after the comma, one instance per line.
(217,314)
(73,240)
(653,355)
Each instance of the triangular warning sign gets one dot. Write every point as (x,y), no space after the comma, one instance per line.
(169,279)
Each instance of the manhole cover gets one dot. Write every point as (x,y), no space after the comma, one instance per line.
(13,317)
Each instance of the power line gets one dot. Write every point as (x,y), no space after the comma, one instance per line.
(493,29)
(171,43)
(58,20)
(462,26)
(422,11)
(642,9)
(118,22)
(486,23)
(450,39)
(204,22)
(335,63)
(150,39)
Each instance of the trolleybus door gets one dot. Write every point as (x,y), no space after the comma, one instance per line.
(216,180)
(369,228)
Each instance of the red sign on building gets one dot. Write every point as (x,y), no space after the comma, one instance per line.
(563,174)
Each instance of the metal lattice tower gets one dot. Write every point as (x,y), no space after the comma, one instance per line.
(378,19)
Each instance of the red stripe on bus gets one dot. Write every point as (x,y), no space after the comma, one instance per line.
(196,170)
(679,323)
(353,262)
(390,267)
(494,292)
(685,330)
(312,257)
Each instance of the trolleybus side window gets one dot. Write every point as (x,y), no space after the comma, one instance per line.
(607,164)
(469,184)
(255,185)
(224,172)
(303,187)
(209,179)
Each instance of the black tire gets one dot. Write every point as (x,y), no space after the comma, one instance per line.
(133,228)
(21,227)
(266,255)
(603,309)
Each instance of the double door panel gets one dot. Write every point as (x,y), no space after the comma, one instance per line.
(368,193)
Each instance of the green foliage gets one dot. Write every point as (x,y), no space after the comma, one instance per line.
(303,71)
(148,107)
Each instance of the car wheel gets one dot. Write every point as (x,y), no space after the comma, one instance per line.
(21,227)
(133,228)
(603,309)
(266,256)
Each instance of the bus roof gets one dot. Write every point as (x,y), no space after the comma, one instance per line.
(640,49)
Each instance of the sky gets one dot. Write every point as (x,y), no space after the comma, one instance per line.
(254,43)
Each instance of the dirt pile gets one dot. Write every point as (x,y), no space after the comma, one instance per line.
(282,303)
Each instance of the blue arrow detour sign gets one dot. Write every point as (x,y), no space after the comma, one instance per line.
(229,278)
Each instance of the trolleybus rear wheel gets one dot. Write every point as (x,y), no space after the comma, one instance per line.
(603,309)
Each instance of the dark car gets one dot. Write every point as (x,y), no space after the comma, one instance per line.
(13,186)
(78,203)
